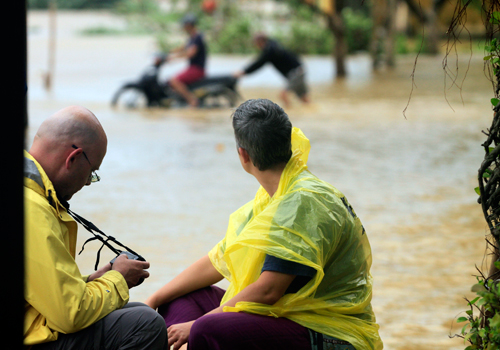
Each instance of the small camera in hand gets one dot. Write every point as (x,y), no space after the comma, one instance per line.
(131,256)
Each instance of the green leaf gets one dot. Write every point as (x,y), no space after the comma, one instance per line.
(494,101)
(481,302)
(495,321)
(477,190)
(478,288)
(495,18)
(482,332)
(464,328)
(461,319)
(472,302)
(487,58)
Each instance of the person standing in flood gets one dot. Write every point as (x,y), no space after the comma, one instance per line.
(297,258)
(285,61)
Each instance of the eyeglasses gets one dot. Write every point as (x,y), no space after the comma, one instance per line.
(93,177)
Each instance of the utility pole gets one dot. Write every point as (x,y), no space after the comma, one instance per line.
(49,75)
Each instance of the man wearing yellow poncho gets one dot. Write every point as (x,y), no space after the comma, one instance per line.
(297,257)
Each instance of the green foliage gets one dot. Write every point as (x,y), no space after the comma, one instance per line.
(483,332)
(305,32)
(73,4)
(302,30)
(411,45)
(137,7)
(359,30)
(308,33)
(495,18)
(492,51)
(235,36)
(100,30)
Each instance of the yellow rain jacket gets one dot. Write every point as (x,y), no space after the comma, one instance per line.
(310,222)
(58,298)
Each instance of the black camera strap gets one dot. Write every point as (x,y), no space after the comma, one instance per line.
(101,236)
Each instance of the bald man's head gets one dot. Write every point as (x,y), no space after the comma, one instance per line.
(69,145)
(72,124)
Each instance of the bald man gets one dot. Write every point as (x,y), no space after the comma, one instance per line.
(65,310)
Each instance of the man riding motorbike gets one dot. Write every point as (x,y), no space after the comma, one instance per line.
(196,52)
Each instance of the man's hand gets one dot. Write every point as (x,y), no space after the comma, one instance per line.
(132,270)
(99,272)
(159,60)
(238,74)
(178,334)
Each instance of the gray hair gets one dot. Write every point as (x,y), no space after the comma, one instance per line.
(263,129)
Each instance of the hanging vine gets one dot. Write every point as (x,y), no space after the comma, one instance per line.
(482,327)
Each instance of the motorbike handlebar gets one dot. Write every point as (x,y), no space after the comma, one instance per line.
(160,59)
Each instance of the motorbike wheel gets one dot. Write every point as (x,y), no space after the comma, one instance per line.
(130,97)
(222,99)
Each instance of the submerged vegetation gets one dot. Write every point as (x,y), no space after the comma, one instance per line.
(298,27)
(293,23)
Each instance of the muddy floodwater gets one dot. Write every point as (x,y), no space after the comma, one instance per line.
(171,178)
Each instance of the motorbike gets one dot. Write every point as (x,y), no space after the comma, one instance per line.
(147,91)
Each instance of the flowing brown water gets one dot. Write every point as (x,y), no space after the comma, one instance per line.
(171,178)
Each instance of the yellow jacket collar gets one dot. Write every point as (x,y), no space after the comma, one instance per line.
(37,180)
(297,163)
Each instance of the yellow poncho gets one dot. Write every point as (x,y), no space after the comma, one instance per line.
(310,222)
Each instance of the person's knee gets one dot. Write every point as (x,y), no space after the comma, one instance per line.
(152,319)
(205,333)
(173,82)
(150,326)
(135,326)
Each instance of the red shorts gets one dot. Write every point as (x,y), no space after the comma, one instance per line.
(191,74)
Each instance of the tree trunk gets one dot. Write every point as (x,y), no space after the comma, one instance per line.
(49,75)
(383,35)
(337,27)
(333,14)
(430,30)
(428,19)
(391,34)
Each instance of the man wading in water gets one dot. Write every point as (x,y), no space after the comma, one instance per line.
(285,61)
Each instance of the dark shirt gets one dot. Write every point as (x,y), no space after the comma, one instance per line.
(303,273)
(199,59)
(283,60)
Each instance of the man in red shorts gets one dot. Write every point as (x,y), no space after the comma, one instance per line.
(196,52)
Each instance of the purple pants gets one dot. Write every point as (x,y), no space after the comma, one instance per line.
(232,330)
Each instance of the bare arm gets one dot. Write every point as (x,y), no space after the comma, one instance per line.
(184,52)
(199,275)
(268,289)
